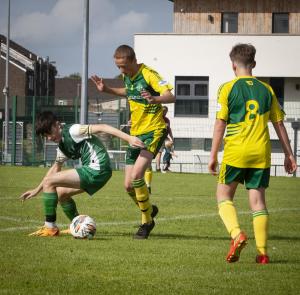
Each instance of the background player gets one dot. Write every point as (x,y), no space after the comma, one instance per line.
(75,142)
(146,91)
(169,137)
(245,105)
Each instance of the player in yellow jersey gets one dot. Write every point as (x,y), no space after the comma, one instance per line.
(146,91)
(245,105)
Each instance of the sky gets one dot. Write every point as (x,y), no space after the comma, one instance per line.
(54,28)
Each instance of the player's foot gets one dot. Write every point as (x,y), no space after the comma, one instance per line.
(236,247)
(149,189)
(158,170)
(262,259)
(144,230)
(65,232)
(154,211)
(46,232)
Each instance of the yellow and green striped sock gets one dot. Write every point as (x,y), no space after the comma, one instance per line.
(229,217)
(142,196)
(133,196)
(260,227)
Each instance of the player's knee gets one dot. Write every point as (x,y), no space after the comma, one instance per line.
(135,175)
(48,182)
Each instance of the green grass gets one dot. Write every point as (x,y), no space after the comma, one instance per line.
(185,253)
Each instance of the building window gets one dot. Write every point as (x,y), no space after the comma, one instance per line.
(208,144)
(31,82)
(188,144)
(280,23)
(191,96)
(278,86)
(229,22)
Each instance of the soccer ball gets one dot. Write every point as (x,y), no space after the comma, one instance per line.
(83,226)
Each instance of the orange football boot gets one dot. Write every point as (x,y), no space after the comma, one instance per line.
(236,247)
(46,232)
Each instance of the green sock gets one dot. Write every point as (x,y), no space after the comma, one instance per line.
(70,209)
(50,205)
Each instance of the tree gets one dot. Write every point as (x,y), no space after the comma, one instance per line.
(75,76)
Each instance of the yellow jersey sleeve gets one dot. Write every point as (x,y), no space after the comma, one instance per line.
(155,80)
(276,113)
(222,102)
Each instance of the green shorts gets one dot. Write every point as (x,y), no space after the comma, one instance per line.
(152,140)
(252,177)
(92,180)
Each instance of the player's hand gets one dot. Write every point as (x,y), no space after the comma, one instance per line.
(213,166)
(146,95)
(98,82)
(28,195)
(136,142)
(290,164)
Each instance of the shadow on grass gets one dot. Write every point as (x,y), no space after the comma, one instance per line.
(165,236)
(279,238)
(102,236)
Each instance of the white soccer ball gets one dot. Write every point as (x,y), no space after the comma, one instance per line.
(83,226)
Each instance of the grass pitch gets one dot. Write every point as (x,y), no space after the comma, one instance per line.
(185,253)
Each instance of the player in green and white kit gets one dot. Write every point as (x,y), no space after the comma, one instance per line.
(74,142)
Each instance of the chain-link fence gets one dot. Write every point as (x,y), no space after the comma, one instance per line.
(25,148)
(192,152)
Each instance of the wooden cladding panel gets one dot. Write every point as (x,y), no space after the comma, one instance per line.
(255,16)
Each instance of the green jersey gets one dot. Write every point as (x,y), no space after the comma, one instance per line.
(86,147)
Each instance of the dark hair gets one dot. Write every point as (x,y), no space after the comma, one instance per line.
(125,51)
(44,123)
(243,54)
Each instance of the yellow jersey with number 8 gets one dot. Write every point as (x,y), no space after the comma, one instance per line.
(247,104)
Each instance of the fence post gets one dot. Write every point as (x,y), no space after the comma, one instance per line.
(14,134)
(33,128)
(76,108)
(295,126)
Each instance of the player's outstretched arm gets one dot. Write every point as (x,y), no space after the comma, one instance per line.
(166,97)
(290,164)
(102,87)
(34,192)
(218,134)
(132,140)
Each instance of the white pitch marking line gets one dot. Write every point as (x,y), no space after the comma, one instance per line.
(117,223)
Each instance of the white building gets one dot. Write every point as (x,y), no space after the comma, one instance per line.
(195,58)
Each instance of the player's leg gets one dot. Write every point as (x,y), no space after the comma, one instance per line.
(66,201)
(141,191)
(257,183)
(128,183)
(229,179)
(142,194)
(66,178)
(227,210)
(158,160)
(130,190)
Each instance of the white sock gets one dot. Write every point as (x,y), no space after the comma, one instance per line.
(50,224)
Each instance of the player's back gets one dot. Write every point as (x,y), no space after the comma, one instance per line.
(247,105)
(88,148)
